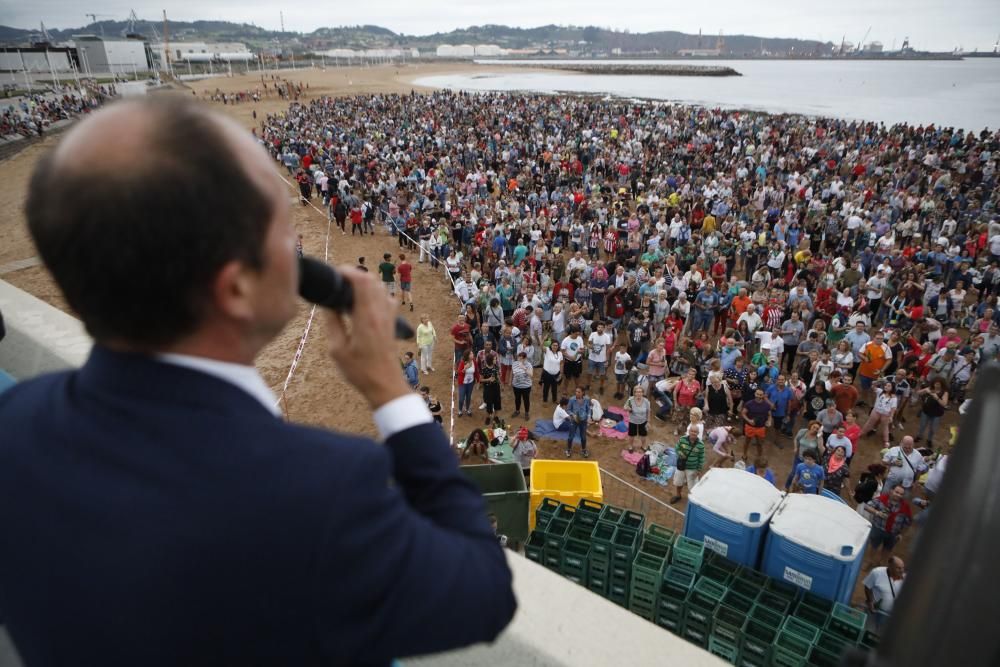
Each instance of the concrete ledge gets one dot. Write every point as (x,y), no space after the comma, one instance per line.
(559,623)
(40,338)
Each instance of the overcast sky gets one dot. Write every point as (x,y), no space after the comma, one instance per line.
(930,24)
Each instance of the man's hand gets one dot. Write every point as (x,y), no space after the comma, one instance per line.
(363,341)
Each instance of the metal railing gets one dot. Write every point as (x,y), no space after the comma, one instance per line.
(625,494)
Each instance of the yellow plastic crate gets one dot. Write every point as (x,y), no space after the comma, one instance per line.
(565,481)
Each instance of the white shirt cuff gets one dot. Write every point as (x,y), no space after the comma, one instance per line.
(400,414)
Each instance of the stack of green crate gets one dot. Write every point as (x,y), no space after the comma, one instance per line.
(534,546)
(601,537)
(574,560)
(588,512)
(557,531)
(544,512)
(674,590)
(794,643)
(699,612)
(689,553)
(755,643)
(847,623)
(647,573)
(623,548)
(661,534)
(727,630)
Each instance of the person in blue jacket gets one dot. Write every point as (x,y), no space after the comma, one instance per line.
(156,508)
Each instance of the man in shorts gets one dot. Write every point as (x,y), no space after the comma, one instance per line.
(755,413)
(690,460)
(388,272)
(599,343)
(572,349)
(405,271)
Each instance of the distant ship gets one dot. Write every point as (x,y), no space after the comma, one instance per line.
(995,53)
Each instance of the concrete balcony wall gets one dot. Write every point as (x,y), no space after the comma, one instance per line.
(559,623)
(40,338)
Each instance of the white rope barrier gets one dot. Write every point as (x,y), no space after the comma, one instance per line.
(312,313)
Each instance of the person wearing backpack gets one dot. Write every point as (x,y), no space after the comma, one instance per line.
(690,460)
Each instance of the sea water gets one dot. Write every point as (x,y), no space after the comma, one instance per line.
(957,93)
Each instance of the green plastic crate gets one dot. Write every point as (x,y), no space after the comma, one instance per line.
(579,531)
(678,581)
(574,559)
(697,635)
(633,520)
(623,545)
(869,640)
(816,602)
(802,629)
(661,534)
(545,510)
(811,615)
(728,624)
(831,642)
(820,657)
(790,650)
(669,619)
(644,601)
(612,514)
(740,603)
(720,561)
(847,622)
(688,552)
(756,643)
(598,584)
(767,616)
(567,512)
(783,589)
(724,649)
(647,572)
(752,576)
(555,537)
(589,509)
(700,613)
(534,546)
(772,601)
(707,593)
(745,588)
(654,548)
(710,571)
(600,538)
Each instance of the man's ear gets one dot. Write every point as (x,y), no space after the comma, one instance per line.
(233,290)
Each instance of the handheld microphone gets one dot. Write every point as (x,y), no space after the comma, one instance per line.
(321,284)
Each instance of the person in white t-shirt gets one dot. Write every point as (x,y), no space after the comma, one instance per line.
(882,587)
(622,359)
(598,344)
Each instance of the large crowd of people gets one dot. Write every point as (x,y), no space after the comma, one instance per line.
(800,284)
(30,115)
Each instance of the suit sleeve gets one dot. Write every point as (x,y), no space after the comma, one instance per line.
(408,563)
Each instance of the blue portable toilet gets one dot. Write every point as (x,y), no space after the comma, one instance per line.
(816,543)
(728,509)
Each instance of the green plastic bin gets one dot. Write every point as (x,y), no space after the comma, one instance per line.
(588,512)
(534,546)
(847,622)
(687,552)
(790,650)
(755,646)
(506,494)
(661,534)
(728,625)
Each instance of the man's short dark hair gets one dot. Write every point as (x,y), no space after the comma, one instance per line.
(135,251)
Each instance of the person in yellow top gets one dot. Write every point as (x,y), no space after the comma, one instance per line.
(708,224)
(802,257)
(426,337)
(875,356)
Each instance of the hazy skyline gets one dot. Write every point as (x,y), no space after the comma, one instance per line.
(930,24)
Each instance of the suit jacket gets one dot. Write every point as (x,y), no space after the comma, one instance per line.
(154,515)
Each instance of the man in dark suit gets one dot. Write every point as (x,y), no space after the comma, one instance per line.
(154,510)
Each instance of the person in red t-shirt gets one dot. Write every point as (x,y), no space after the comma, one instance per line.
(461,336)
(405,271)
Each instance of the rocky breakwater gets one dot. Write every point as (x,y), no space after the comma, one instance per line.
(647,70)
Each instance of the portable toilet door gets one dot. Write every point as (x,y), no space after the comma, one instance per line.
(728,509)
(817,544)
